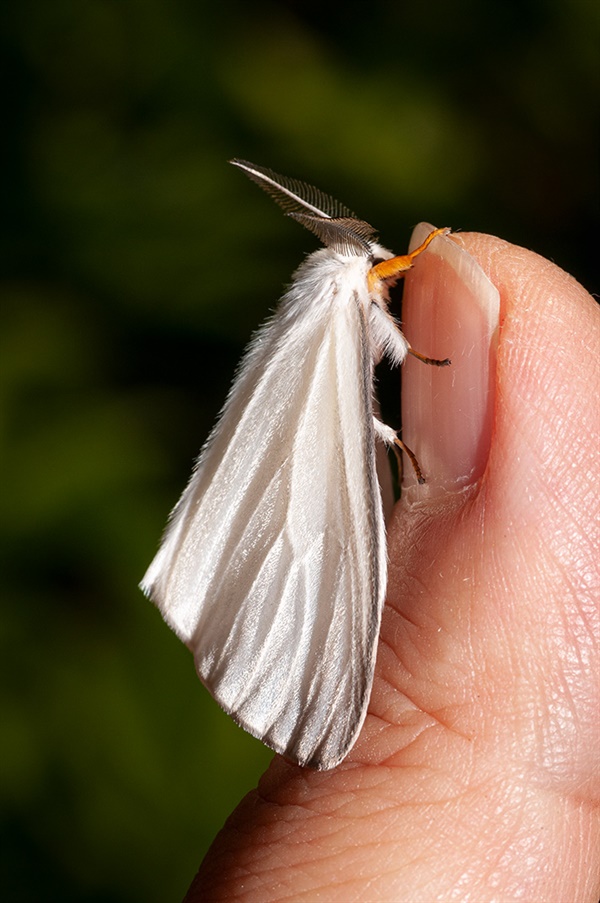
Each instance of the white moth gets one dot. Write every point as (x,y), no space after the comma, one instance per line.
(273,567)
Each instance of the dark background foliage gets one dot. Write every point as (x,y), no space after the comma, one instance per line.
(135,264)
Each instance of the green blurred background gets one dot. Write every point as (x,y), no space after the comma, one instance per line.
(136,263)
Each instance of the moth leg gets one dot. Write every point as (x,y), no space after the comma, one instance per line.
(386,332)
(429,360)
(391,439)
(395,267)
(386,337)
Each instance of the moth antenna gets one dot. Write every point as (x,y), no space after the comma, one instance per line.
(333,223)
(291,194)
(345,235)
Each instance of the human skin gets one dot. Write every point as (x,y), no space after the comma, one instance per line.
(475,777)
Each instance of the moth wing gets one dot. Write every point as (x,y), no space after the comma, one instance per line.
(273,569)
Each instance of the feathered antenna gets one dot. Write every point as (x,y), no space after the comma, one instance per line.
(335,225)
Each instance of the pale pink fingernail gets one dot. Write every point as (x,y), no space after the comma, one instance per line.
(450,309)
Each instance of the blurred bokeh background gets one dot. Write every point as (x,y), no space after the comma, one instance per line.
(135,264)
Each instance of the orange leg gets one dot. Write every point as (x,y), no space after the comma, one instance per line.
(395,267)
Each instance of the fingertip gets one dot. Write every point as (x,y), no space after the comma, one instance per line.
(546,419)
(519,402)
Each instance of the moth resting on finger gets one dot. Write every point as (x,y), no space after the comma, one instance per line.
(273,569)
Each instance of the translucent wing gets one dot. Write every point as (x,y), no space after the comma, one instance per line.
(273,568)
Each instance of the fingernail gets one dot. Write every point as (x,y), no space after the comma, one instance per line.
(450,309)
